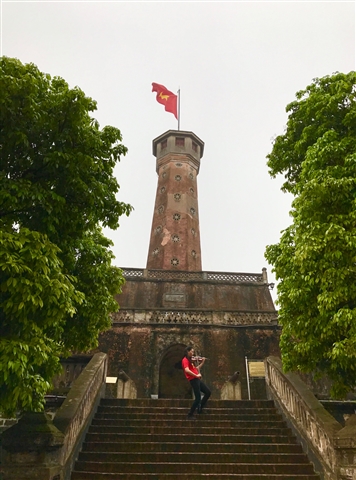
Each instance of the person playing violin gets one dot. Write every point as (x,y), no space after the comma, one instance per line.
(193,374)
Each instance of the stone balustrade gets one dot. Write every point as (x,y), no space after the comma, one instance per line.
(332,447)
(37,448)
(73,417)
(194,317)
(223,277)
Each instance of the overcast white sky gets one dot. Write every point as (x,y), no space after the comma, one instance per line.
(237,64)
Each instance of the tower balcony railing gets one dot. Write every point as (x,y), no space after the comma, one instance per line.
(223,277)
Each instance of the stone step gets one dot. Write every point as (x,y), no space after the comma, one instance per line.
(152,439)
(165,446)
(190,476)
(182,422)
(164,417)
(194,468)
(185,403)
(183,410)
(185,428)
(190,438)
(193,457)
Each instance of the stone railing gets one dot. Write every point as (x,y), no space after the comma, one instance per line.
(328,444)
(75,414)
(194,317)
(223,277)
(37,448)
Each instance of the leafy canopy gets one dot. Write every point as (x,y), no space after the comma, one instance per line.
(315,259)
(57,190)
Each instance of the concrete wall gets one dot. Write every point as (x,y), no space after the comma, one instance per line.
(227,291)
(225,316)
(141,351)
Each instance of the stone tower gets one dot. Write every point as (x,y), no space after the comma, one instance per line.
(175,237)
(172,303)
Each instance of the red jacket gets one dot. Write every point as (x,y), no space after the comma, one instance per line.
(187,363)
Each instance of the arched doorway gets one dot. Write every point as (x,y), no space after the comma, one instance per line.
(172,382)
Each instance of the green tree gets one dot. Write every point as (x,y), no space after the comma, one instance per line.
(57,190)
(315,260)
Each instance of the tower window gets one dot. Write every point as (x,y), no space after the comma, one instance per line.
(175,238)
(155,251)
(194,146)
(175,262)
(163,144)
(192,211)
(194,253)
(177,196)
(178,178)
(163,189)
(176,216)
(161,209)
(179,142)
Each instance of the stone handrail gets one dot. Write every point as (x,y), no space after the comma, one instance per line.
(194,317)
(74,414)
(333,446)
(223,277)
(37,448)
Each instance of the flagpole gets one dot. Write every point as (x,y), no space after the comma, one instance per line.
(178,109)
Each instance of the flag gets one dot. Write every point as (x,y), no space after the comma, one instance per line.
(166,98)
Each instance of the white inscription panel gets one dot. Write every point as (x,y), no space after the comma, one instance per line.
(174,297)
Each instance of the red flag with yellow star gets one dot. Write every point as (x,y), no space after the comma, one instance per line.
(166,98)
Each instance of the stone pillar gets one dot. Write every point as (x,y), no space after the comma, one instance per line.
(175,234)
(31,449)
(231,390)
(126,388)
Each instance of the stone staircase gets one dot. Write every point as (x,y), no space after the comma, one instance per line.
(152,439)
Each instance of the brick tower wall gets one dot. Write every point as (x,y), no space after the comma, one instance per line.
(175,235)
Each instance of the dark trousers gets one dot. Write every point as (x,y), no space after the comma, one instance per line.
(199,386)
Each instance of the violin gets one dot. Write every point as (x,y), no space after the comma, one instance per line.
(198,359)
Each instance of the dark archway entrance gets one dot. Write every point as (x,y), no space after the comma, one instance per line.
(172,382)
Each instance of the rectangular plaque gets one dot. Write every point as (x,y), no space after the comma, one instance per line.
(256,369)
(174,297)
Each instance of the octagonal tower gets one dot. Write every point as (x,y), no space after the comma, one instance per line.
(175,234)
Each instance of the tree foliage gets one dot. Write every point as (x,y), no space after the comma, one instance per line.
(315,259)
(57,190)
